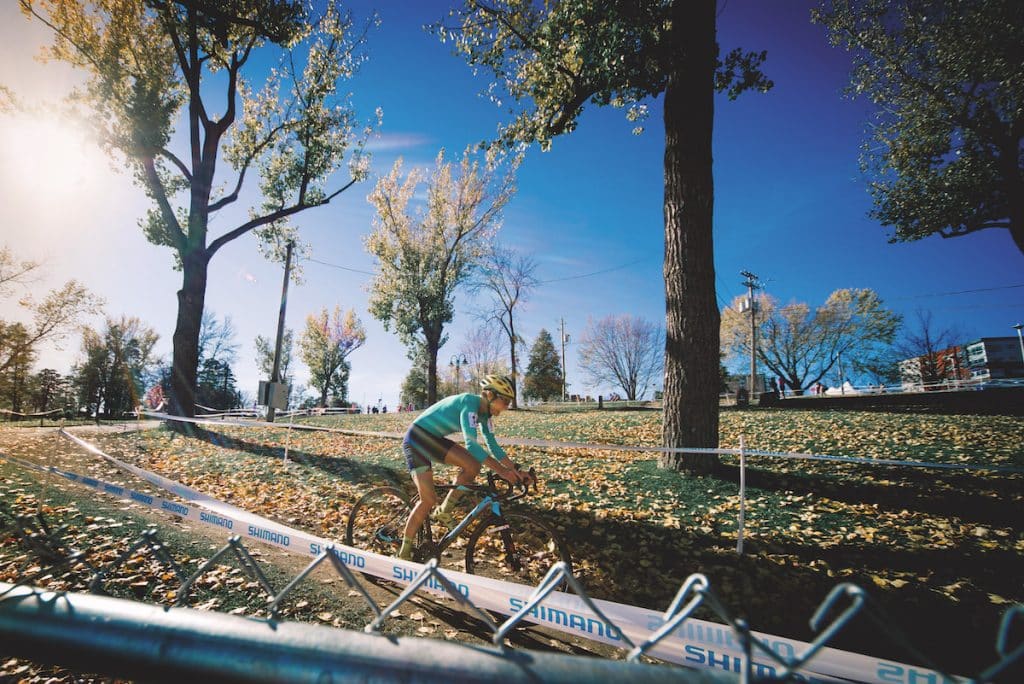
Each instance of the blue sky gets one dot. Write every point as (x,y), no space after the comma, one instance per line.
(790,204)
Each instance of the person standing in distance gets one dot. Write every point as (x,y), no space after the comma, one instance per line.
(425,444)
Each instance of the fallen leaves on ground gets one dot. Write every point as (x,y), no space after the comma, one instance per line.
(939,550)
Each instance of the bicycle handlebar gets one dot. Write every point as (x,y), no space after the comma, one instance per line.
(508,491)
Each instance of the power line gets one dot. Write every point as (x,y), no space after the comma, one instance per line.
(343,268)
(959,292)
(594,273)
(541,282)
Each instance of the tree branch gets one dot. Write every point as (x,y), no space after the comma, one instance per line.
(160,195)
(170,156)
(270,218)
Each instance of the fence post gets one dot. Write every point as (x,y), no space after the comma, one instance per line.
(743,495)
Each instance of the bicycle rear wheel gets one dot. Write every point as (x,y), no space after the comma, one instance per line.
(377,521)
(515,547)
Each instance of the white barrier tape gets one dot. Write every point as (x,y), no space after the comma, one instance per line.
(697,643)
(550,444)
(31,415)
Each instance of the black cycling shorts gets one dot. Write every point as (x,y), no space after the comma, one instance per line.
(421,448)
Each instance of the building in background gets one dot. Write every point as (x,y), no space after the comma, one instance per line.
(984,359)
(994,358)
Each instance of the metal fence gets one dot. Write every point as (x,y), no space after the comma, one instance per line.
(121,638)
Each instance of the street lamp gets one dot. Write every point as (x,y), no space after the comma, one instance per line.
(1020,338)
(457,361)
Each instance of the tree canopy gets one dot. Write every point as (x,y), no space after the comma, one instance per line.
(154,66)
(425,254)
(325,345)
(801,346)
(110,379)
(549,60)
(53,317)
(947,80)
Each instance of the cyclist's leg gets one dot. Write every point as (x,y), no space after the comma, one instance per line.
(469,468)
(417,447)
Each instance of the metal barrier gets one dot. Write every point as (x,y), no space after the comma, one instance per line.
(114,638)
(129,639)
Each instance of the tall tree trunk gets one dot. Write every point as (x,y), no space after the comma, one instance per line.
(191,300)
(433,344)
(512,351)
(1016,197)
(692,317)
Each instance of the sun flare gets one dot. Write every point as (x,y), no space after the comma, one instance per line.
(44,161)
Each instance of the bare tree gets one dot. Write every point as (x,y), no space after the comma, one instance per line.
(929,345)
(508,278)
(483,348)
(217,339)
(800,345)
(625,351)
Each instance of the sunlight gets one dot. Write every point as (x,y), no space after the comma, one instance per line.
(49,163)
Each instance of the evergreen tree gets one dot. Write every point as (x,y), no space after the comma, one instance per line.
(544,371)
(215,385)
(47,390)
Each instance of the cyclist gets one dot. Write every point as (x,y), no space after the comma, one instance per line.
(425,444)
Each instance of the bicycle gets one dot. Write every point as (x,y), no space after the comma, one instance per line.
(514,546)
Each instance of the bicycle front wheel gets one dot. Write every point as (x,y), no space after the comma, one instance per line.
(516,548)
(377,521)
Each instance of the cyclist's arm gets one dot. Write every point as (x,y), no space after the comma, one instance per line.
(467,420)
(499,453)
(505,469)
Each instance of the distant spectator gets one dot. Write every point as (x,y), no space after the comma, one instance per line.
(782,386)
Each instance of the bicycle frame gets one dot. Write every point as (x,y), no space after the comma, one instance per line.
(489,500)
(492,498)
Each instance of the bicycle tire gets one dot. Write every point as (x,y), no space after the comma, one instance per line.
(377,521)
(537,547)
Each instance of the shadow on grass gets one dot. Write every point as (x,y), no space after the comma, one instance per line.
(349,469)
(774,586)
(988,500)
(644,564)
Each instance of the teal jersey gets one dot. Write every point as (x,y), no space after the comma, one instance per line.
(461,412)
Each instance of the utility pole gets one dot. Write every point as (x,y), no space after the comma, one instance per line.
(565,338)
(1020,338)
(275,374)
(842,384)
(752,284)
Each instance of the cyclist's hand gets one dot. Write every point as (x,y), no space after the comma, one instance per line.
(512,476)
(529,478)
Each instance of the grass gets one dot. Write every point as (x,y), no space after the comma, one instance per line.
(941,552)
